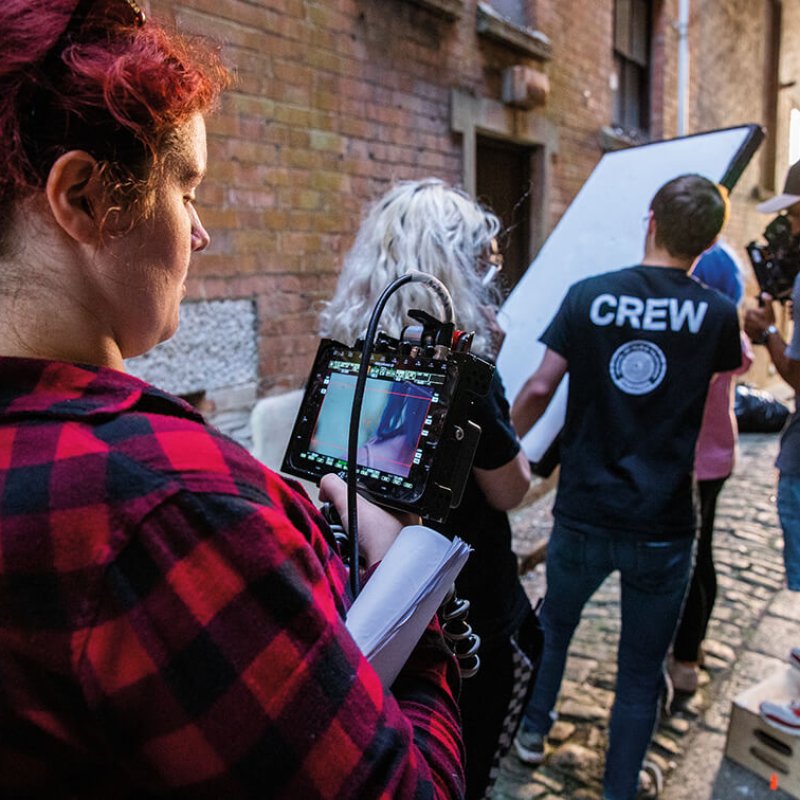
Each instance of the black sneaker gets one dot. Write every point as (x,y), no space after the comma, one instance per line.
(529,747)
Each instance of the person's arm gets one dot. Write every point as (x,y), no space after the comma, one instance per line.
(788,368)
(377,527)
(538,391)
(747,354)
(759,324)
(500,468)
(505,486)
(220,650)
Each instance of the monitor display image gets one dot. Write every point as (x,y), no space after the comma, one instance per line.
(393,418)
(416,436)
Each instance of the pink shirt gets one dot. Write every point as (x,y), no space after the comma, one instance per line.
(715,451)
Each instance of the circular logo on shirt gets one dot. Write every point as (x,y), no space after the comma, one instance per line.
(638,367)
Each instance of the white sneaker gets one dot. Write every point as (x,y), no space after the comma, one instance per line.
(651,781)
(783,716)
(529,747)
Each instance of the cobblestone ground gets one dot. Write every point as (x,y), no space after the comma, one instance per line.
(747,548)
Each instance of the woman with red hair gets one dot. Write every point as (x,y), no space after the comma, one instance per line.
(171,612)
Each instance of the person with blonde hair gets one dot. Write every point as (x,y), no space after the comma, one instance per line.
(429,226)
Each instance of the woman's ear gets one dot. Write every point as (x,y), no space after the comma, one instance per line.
(74,194)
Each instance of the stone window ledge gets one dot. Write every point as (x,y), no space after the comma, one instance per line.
(494,26)
(618,139)
(451,9)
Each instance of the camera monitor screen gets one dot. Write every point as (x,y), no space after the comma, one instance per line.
(393,418)
(402,417)
(416,438)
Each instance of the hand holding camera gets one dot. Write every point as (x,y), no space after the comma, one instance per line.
(417,437)
(759,323)
(378,528)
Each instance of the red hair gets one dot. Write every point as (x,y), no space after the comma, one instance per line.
(116,90)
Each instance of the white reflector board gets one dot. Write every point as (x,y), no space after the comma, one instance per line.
(603,229)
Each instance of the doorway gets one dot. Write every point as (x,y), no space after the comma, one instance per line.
(504,182)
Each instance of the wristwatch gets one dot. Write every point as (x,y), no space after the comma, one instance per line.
(764,338)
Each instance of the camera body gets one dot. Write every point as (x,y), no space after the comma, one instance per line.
(777,263)
(416,439)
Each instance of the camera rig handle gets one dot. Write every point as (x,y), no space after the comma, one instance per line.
(340,537)
(432,335)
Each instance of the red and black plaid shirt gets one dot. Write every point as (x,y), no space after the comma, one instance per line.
(171,616)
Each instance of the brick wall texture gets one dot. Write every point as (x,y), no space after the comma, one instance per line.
(335,99)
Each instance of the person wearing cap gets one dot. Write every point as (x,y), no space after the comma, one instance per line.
(787,201)
(759,324)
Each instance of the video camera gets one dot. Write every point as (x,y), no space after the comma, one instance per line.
(777,263)
(416,441)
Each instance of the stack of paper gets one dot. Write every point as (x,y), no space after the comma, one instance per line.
(402,595)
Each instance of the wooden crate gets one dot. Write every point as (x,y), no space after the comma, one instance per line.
(758,746)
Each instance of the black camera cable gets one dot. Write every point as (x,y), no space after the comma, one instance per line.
(358,399)
(458,634)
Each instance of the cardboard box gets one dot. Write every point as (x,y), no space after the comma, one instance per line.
(758,746)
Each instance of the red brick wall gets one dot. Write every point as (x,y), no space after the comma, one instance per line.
(336,98)
(727,72)
(790,79)
(729,49)
(580,105)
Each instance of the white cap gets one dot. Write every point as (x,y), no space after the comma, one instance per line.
(790,195)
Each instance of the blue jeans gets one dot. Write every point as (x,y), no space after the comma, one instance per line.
(654,576)
(789,512)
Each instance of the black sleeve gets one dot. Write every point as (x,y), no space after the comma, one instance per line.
(556,334)
(498,443)
(729,349)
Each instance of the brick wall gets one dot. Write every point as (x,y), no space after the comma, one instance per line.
(333,101)
(336,98)
(727,73)
(729,50)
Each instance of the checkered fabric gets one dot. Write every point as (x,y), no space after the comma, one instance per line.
(523,675)
(171,616)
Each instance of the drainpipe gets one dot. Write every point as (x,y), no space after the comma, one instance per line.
(772,86)
(683,64)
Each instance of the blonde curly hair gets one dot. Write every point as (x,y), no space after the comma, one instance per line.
(421,225)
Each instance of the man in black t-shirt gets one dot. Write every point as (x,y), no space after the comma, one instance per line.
(640,346)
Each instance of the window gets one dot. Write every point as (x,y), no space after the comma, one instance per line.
(504,21)
(794,135)
(632,64)
(513,10)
